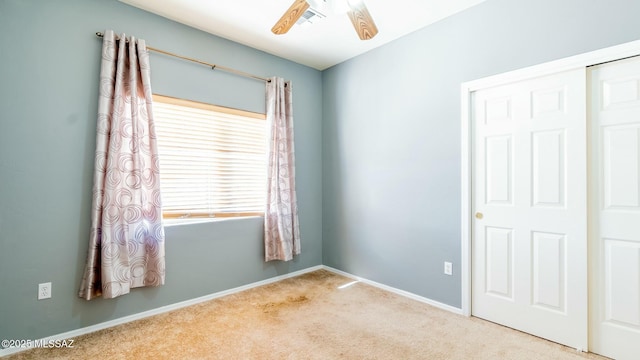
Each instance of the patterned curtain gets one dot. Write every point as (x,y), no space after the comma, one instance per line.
(281,232)
(126,243)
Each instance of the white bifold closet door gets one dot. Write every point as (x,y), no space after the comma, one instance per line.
(614,216)
(529,248)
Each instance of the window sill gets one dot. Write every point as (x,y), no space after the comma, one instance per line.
(190,221)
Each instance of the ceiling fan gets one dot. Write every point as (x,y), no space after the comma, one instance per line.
(356,9)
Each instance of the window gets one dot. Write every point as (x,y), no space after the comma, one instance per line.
(212,159)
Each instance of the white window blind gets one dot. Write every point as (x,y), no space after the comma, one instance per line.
(212,159)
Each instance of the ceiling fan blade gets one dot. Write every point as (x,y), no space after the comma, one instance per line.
(290,17)
(362,21)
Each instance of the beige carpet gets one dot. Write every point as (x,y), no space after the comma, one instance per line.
(309,317)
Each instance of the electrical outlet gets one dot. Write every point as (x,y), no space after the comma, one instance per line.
(44,291)
(448,268)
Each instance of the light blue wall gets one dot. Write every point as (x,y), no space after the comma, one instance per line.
(391,131)
(49,66)
(377,147)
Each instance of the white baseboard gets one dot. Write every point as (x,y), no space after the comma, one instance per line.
(123,320)
(407,294)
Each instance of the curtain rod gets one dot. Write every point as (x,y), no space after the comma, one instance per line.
(212,66)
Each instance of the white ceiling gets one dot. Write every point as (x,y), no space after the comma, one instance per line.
(323,44)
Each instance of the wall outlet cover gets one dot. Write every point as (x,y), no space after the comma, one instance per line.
(44,291)
(448,268)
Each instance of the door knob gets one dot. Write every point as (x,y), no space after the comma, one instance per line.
(479,216)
